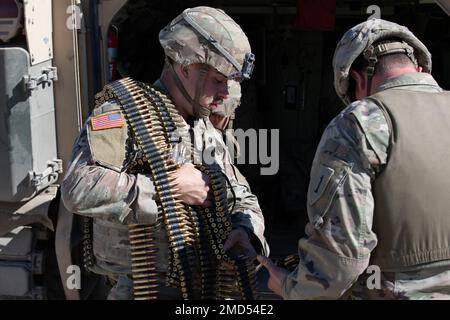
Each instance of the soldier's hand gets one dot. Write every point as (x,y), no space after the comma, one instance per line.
(277,274)
(219,122)
(239,243)
(192,185)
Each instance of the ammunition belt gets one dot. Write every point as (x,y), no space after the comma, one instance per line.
(290,262)
(152,119)
(196,235)
(88,253)
(239,281)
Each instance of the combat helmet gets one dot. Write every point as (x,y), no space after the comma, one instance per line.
(212,38)
(367,38)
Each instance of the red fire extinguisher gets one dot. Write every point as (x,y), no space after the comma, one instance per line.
(113,47)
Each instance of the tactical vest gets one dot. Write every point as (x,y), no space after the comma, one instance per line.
(412,202)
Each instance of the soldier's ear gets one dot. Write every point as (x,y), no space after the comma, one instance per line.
(357,75)
(360,82)
(185,70)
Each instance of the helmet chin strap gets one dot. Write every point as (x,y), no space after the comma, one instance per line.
(370,73)
(372,53)
(199,110)
(372,59)
(231,121)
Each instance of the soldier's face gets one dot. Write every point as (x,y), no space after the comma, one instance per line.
(215,86)
(215,89)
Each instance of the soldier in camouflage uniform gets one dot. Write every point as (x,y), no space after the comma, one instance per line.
(378,192)
(222,117)
(101,183)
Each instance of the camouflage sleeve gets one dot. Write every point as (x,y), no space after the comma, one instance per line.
(96,191)
(339,240)
(247,213)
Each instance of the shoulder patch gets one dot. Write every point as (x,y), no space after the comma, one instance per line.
(108,120)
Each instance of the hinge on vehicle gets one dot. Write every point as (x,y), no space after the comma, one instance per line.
(49,74)
(37,262)
(41,180)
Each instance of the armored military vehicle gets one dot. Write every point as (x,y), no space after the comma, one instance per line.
(40,115)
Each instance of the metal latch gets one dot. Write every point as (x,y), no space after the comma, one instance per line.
(48,75)
(37,262)
(41,180)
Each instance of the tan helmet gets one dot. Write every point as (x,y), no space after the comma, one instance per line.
(208,36)
(360,39)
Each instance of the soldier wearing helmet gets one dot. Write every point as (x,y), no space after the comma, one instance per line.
(213,43)
(206,51)
(377,202)
(222,117)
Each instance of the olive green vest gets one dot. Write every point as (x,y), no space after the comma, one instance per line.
(412,194)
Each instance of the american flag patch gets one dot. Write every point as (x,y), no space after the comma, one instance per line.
(107,120)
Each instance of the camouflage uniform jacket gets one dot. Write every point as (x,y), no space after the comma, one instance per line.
(118,197)
(336,252)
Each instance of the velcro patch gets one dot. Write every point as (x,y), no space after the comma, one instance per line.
(107,120)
